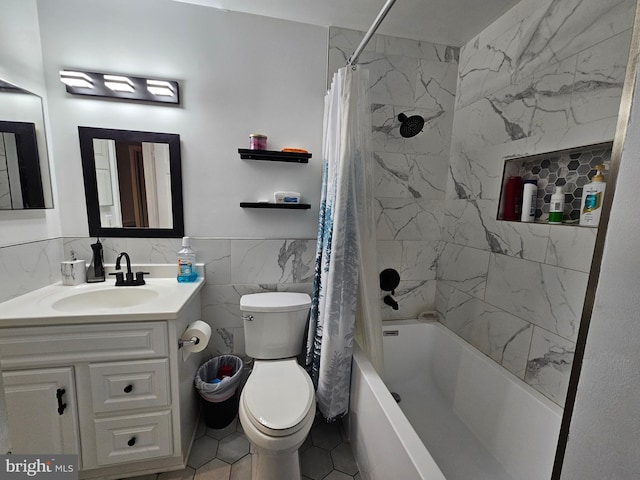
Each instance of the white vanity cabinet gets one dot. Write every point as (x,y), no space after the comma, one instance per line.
(117,393)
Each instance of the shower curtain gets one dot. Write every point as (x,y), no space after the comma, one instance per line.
(345,290)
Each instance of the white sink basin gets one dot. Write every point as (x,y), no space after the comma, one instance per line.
(107,298)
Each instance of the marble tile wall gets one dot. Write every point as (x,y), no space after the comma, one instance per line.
(28,266)
(233,267)
(546,76)
(414,78)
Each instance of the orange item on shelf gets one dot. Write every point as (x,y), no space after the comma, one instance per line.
(295,150)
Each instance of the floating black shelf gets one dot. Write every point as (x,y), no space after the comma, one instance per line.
(274,155)
(285,206)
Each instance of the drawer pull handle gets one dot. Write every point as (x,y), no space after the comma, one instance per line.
(128,388)
(132,441)
(61,406)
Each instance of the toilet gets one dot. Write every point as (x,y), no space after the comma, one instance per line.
(277,404)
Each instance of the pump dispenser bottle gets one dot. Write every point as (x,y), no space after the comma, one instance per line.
(186,262)
(592,195)
(95,272)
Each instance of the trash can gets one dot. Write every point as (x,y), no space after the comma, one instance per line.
(217,382)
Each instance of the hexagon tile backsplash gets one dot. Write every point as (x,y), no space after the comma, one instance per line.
(571,170)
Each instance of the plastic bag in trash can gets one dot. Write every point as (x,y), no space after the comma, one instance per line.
(207,373)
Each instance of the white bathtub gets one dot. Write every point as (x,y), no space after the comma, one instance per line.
(461,416)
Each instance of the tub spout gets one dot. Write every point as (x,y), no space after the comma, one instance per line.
(391,302)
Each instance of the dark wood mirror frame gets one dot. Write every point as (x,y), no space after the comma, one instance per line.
(87,135)
(29,162)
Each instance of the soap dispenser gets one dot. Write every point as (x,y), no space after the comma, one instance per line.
(592,195)
(95,272)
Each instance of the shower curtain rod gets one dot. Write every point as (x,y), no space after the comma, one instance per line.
(353,59)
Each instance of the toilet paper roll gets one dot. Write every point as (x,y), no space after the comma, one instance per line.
(200,330)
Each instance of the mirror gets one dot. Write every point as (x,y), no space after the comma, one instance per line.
(24,166)
(132,182)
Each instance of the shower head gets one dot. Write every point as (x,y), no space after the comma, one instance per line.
(411,126)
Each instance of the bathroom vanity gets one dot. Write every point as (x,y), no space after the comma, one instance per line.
(95,370)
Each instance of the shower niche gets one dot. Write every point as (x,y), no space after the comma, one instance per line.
(570,169)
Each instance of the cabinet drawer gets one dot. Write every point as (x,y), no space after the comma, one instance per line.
(128,385)
(133,437)
(65,344)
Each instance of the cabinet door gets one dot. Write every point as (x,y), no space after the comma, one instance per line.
(36,426)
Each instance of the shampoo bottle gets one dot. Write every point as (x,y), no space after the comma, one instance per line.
(529,197)
(556,206)
(186,262)
(592,195)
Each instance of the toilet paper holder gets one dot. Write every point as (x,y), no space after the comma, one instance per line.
(188,343)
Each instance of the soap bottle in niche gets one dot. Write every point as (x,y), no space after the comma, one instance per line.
(556,207)
(592,195)
(186,262)
(529,197)
(513,198)
(95,272)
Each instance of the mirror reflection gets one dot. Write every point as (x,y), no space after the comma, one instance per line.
(133,183)
(24,169)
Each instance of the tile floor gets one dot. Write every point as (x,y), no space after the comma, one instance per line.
(224,455)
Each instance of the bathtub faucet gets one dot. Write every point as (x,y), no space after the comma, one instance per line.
(391,302)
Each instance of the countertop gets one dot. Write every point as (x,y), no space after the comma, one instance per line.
(37,307)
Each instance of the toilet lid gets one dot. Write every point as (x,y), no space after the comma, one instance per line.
(275,302)
(278,396)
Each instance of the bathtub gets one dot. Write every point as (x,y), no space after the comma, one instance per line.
(461,415)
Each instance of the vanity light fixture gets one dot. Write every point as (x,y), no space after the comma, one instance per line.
(76,79)
(118,83)
(119,86)
(160,88)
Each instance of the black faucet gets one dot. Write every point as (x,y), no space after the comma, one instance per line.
(389,281)
(127,280)
(391,302)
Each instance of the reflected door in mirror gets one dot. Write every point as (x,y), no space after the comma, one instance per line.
(10,187)
(20,178)
(134,184)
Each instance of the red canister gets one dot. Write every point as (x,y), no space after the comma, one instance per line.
(513,198)
(257,141)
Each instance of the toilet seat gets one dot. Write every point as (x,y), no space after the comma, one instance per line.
(278,396)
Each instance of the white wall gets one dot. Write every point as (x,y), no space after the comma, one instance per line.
(20,52)
(603,438)
(238,73)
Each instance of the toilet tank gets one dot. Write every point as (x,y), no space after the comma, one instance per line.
(274,323)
